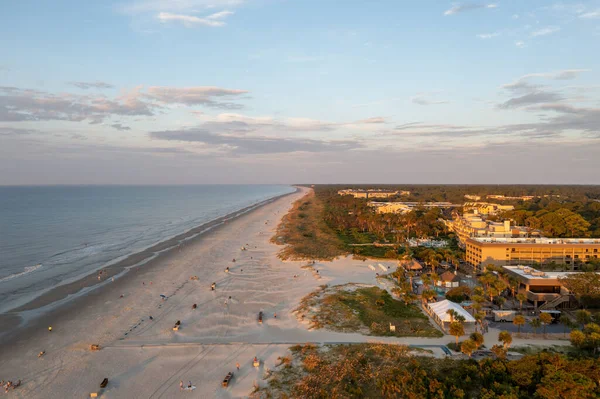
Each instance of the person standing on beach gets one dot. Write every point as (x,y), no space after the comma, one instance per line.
(237,365)
(181,385)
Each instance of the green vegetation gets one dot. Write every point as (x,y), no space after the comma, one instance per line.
(305,234)
(391,371)
(585,287)
(458,294)
(371,310)
(324,225)
(587,339)
(558,218)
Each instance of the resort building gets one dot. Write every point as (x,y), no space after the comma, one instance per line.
(427,242)
(438,311)
(404,207)
(390,207)
(448,280)
(486,208)
(372,193)
(543,289)
(472,197)
(573,252)
(473,225)
(505,198)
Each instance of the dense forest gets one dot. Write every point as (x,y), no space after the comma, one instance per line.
(557,211)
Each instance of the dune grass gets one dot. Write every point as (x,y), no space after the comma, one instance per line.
(305,234)
(370,310)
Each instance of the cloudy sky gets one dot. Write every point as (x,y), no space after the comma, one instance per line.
(285,91)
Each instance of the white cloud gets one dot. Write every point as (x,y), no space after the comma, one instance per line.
(177,6)
(208,96)
(423,99)
(213,20)
(488,35)
(467,7)
(220,15)
(520,44)
(522,84)
(591,15)
(545,31)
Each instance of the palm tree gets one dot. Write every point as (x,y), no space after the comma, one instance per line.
(467,347)
(519,321)
(428,295)
(451,313)
(492,292)
(426,280)
(506,338)
(545,319)
(566,322)
(535,324)
(456,329)
(521,298)
(583,317)
(477,338)
(410,278)
(513,283)
(435,278)
(499,351)
(500,300)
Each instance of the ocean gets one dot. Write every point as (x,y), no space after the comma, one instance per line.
(52,235)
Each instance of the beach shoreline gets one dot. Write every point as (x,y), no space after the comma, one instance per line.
(53,301)
(162,323)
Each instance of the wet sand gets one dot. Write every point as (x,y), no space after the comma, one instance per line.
(11,321)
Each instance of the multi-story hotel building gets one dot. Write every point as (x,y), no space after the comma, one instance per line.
(486,208)
(372,193)
(473,225)
(481,251)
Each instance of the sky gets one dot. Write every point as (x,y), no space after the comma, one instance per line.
(299,91)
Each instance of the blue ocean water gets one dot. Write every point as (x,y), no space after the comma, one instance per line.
(74,230)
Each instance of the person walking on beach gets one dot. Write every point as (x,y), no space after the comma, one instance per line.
(237,365)
(181,385)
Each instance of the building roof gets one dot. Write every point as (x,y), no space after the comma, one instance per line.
(531,273)
(441,308)
(537,240)
(411,265)
(448,276)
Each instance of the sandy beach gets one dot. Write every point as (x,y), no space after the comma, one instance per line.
(145,358)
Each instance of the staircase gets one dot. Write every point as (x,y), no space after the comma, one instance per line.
(555,302)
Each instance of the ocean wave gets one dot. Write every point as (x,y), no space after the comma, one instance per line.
(26,270)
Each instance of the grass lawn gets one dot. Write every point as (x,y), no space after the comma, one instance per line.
(370,310)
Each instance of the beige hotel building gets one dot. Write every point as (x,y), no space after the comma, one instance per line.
(481,251)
